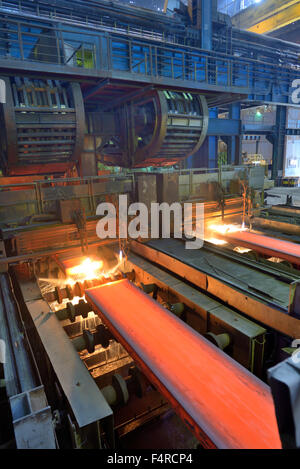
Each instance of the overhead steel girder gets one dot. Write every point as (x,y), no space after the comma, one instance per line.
(267,18)
(223,404)
(224,127)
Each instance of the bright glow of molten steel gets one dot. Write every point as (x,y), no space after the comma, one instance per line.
(224,229)
(79,269)
(242,250)
(87,270)
(216,241)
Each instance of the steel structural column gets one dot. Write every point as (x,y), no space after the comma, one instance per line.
(234,143)
(206,26)
(213,143)
(279,142)
(212,152)
(207,155)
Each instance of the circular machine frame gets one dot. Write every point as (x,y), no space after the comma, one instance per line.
(42,126)
(181,124)
(159,128)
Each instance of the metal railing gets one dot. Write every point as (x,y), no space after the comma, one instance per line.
(104,23)
(71,47)
(41,196)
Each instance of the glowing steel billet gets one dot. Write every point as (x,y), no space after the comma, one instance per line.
(223,404)
(83,267)
(269,246)
(67,264)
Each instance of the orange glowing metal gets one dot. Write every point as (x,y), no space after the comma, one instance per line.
(241,250)
(224,229)
(88,269)
(215,229)
(82,268)
(269,246)
(216,241)
(221,402)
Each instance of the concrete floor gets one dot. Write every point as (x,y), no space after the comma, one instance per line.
(278,195)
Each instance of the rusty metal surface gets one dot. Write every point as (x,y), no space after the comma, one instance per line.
(38,132)
(204,314)
(221,402)
(53,237)
(265,245)
(172,255)
(86,401)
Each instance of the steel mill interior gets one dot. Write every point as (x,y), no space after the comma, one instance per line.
(149,224)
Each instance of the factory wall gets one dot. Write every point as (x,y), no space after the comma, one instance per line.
(292,156)
(258,147)
(293,118)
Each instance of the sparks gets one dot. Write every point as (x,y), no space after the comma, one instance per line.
(223,229)
(216,241)
(87,270)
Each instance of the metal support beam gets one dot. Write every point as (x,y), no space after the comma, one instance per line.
(234,147)
(206,27)
(224,127)
(24,369)
(277,17)
(91,92)
(279,142)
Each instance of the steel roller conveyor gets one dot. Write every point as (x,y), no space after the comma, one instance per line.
(221,402)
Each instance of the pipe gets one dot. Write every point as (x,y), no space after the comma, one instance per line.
(11,378)
(22,360)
